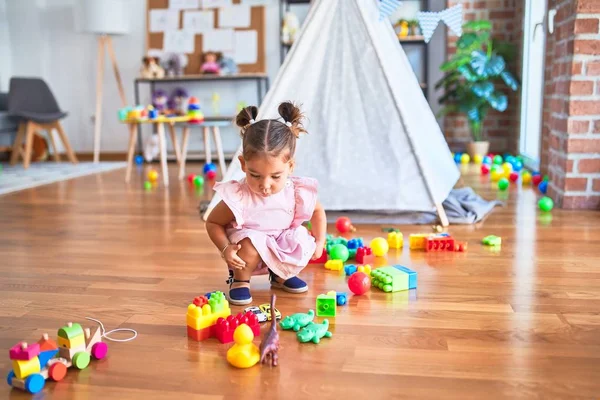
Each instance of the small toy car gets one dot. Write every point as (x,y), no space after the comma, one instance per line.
(266,308)
(262,317)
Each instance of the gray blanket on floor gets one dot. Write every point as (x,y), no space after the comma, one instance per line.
(463,206)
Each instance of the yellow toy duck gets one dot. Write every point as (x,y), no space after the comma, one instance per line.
(244,353)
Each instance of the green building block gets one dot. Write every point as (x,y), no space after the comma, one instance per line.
(351,254)
(217,301)
(492,240)
(326,305)
(389,279)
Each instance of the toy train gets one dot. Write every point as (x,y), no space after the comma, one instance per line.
(34,363)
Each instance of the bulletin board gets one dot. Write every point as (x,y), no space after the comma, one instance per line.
(154,40)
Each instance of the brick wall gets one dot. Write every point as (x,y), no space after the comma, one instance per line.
(501,128)
(571,117)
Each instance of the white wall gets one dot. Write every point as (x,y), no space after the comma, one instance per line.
(5,51)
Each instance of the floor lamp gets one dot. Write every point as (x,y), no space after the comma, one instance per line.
(105,18)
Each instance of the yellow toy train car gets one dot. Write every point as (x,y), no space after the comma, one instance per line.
(34,363)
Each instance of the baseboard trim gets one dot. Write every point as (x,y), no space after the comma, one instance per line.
(122,156)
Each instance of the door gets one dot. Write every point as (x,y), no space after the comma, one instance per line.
(534,40)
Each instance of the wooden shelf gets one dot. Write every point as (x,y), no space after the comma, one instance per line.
(412,39)
(207,77)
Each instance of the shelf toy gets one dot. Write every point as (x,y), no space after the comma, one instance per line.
(269,346)
(492,240)
(314,332)
(297,321)
(359,283)
(395,240)
(244,353)
(194,112)
(326,304)
(34,363)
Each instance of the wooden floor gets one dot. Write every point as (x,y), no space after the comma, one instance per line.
(519,322)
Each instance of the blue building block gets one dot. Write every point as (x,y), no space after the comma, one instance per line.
(355,243)
(349,269)
(341,298)
(412,276)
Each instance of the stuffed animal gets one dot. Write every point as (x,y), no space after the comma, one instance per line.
(290,28)
(175,64)
(151,68)
(210,63)
(179,101)
(159,101)
(228,66)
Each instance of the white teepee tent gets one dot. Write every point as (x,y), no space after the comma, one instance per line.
(374,143)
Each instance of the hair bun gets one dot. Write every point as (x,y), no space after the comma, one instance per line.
(292,116)
(245,117)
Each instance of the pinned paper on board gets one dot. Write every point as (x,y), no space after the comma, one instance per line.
(179,41)
(164,20)
(184,4)
(246,47)
(198,21)
(257,2)
(216,3)
(237,16)
(218,40)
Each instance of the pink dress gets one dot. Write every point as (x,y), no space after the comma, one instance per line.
(273,223)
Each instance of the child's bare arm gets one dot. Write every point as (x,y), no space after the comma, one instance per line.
(217,220)
(318,222)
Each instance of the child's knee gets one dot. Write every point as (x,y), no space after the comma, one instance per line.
(248,252)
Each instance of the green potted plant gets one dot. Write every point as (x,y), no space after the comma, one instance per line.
(473,79)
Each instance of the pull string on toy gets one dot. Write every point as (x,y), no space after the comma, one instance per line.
(105,334)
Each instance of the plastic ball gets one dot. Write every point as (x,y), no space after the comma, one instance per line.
(343,225)
(198,181)
(211,175)
(487,160)
(507,167)
(543,186)
(496,174)
(546,178)
(498,159)
(152,176)
(477,159)
(339,252)
(509,159)
(536,179)
(514,176)
(503,184)
(464,159)
(485,169)
(190,178)
(517,165)
(359,283)
(209,167)
(380,246)
(139,160)
(147,185)
(526,178)
(546,204)
(457,157)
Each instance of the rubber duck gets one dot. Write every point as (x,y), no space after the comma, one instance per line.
(244,353)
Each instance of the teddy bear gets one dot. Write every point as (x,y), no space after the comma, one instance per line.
(151,68)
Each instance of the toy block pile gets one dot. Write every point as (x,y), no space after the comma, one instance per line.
(225,327)
(203,313)
(394,279)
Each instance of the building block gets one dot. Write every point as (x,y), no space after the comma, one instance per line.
(201,300)
(46,343)
(418,241)
(461,247)
(334,265)
(341,298)
(225,327)
(320,260)
(395,240)
(326,305)
(355,244)
(389,279)
(365,268)
(350,269)
(199,334)
(412,276)
(24,351)
(24,368)
(434,243)
(364,255)
(46,356)
(492,240)
(198,318)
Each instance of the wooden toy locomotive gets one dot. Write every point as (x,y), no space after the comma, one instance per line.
(34,363)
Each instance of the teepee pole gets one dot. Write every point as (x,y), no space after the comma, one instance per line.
(440,209)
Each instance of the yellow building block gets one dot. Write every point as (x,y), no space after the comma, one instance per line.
(335,265)
(200,318)
(23,369)
(72,343)
(395,240)
(364,268)
(418,241)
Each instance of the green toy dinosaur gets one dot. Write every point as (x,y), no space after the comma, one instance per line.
(314,332)
(297,321)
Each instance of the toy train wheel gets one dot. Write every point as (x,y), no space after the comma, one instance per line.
(99,350)
(81,360)
(57,371)
(10,377)
(34,383)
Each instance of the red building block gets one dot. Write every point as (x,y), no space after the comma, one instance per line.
(199,335)
(320,260)
(439,243)
(364,255)
(224,328)
(462,247)
(200,301)
(23,351)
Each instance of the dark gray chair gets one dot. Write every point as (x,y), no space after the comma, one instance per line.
(32,102)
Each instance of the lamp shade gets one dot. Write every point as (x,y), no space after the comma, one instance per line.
(105,16)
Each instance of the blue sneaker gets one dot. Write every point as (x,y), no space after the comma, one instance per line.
(292,285)
(240,295)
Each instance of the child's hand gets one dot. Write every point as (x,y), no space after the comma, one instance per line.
(231,257)
(318,251)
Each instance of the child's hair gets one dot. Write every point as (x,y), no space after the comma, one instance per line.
(270,136)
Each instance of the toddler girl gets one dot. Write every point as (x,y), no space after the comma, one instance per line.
(257,226)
